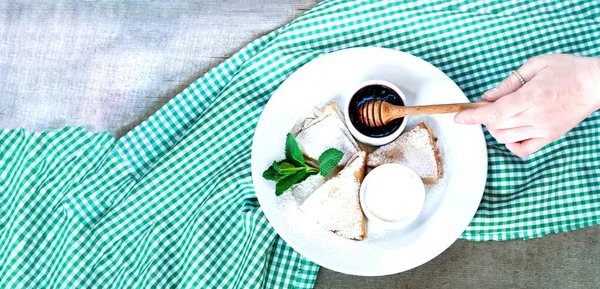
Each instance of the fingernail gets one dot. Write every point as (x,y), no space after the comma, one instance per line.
(459,119)
(491,93)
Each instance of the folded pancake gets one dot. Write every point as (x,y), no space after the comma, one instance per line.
(335,205)
(415,149)
(326,130)
(302,190)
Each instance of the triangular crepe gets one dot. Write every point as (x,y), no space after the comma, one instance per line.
(302,190)
(327,130)
(335,205)
(415,149)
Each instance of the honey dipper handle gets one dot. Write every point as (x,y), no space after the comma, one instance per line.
(396,111)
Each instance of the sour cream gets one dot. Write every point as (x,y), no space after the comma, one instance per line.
(392,195)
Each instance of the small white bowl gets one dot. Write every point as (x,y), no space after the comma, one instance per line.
(375,141)
(392,195)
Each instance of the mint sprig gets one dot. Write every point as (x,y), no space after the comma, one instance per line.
(294,169)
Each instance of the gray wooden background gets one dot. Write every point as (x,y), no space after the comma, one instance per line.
(108,66)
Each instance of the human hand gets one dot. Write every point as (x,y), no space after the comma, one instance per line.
(560,91)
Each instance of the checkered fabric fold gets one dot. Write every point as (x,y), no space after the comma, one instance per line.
(171,204)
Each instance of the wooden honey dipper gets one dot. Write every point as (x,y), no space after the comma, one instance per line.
(376,113)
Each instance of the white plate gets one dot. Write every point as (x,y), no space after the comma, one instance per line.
(450,205)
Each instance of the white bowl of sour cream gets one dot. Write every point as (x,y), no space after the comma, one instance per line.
(392,195)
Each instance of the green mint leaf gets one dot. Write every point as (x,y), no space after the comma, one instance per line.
(283,165)
(329,159)
(286,168)
(293,152)
(275,166)
(307,175)
(285,183)
(270,174)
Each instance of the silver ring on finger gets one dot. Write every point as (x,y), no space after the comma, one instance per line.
(518,75)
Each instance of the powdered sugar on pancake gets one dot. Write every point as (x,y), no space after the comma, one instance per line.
(413,149)
(304,189)
(324,134)
(335,205)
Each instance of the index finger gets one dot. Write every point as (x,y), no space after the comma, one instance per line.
(493,114)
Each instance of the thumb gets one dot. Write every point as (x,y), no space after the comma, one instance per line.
(526,147)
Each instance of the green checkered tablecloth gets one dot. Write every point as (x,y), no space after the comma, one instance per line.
(171,204)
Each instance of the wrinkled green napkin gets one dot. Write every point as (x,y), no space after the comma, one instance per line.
(171,204)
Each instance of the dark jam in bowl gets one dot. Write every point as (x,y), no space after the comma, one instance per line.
(374,92)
